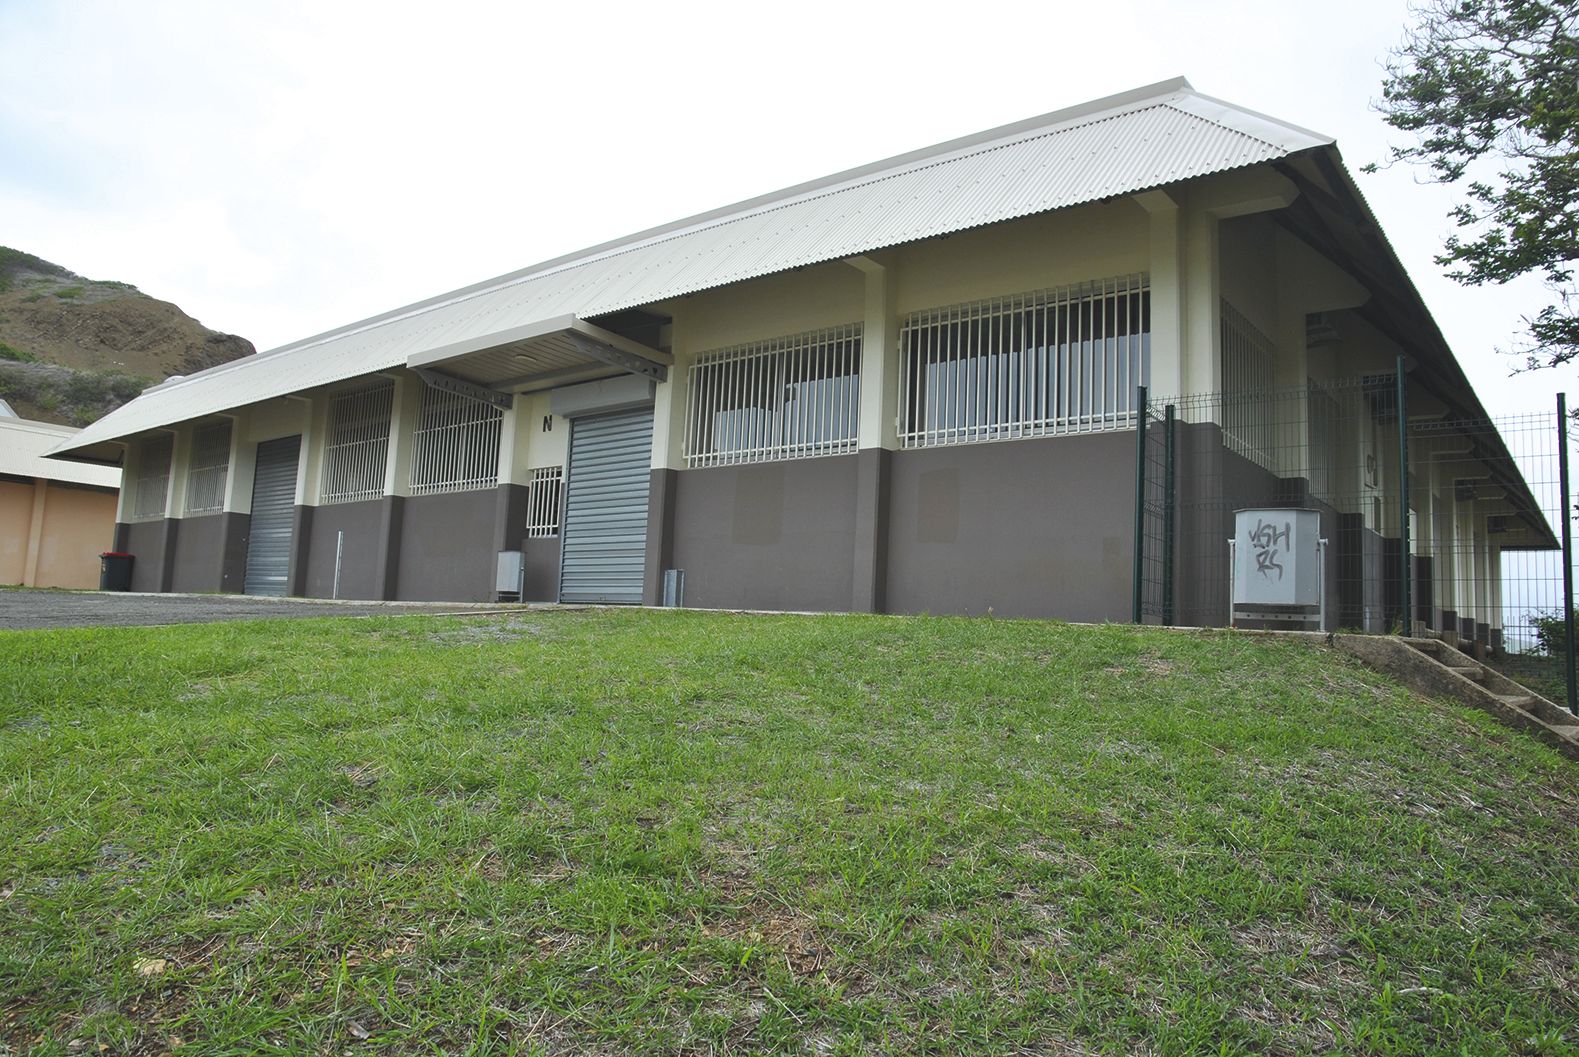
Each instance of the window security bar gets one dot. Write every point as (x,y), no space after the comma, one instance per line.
(455,447)
(1066,360)
(358,444)
(789,398)
(205,481)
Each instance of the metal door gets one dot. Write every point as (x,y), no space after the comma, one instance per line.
(273,512)
(603,540)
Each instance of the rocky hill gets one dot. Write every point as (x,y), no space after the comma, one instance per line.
(73,349)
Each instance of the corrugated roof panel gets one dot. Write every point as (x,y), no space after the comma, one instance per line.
(1124,147)
(24,443)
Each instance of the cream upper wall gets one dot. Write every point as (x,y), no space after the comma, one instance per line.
(1054,249)
(771,307)
(273,419)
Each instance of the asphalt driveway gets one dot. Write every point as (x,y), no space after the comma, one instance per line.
(21,608)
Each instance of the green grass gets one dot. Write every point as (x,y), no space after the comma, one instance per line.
(628,832)
(69,293)
(16,355)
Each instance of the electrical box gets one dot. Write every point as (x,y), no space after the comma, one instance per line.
(1277,558)
(674,588)
(510,573)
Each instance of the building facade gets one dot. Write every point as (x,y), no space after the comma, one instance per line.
(56,517)
(911,387)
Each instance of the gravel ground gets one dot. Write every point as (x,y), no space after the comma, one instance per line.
(76,609)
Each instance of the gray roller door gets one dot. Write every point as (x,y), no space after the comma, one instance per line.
(273,512)
(603,542)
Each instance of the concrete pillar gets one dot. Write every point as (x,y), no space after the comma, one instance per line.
(309,470)
(405,409)
(243,465)
(236,514)
(510,510)
(130,464)
(877,431)
(668,460)
(180,466)
(1167,292)
(1201,364)
(35,533)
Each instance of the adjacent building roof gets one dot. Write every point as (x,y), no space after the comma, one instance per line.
(1145,138)
(24,443)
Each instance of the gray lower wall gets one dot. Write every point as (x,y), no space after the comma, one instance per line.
(1027,528)
(776,535)
(542,570)
(199,555)
(359,571)
(447,547)
(144,540)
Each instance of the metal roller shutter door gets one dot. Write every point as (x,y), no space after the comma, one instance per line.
(273,511)
(603,542)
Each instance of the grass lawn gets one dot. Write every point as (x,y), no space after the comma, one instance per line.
(636,832)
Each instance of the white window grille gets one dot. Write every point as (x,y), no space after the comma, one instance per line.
(357,450)
(456,444)
(205,479)
(1066,360)
(1248,358)
(543,500)
(789,398)
(152,486)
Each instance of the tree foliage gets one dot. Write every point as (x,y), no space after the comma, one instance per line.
(1496,82)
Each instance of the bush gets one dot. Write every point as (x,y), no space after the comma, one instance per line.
(16,355)
(69,293)
(1549,632)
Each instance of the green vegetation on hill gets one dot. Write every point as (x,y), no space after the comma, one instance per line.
(96,343)
(638,832)
(14,263)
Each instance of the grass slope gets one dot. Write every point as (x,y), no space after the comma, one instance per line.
(628,832)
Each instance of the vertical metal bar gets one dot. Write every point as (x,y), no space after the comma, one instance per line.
(1568,556)
(1140,506)
(339,549)
(1170,421)
(1404,571)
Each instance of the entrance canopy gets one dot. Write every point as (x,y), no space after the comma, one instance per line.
(543,355)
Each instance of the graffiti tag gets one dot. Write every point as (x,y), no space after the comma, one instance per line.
(1269,543)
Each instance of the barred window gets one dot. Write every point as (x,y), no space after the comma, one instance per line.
(1247,365)
(357,445)
(205,478)
(152,484)
(543,501)
(1055,361)
(789,398)
(456,444)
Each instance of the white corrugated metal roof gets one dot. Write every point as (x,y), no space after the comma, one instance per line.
(24,443)
(1119,145)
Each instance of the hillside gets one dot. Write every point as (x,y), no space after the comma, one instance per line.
(72,349)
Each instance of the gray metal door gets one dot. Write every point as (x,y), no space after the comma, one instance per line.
(273,512)
(603,541)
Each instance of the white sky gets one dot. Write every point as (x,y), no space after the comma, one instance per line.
(279,169)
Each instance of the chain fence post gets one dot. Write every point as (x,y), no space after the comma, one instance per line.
(1137,584)
(1405,574)
(1170,418)
(1568,554)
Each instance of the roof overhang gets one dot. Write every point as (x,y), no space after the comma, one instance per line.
(546,354)
(1332,216)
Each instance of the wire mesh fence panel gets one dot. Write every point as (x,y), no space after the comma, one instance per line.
(1154,544)
(1457,517)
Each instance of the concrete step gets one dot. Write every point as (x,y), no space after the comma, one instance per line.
(1571,732)
(1519,701)
(1475,674)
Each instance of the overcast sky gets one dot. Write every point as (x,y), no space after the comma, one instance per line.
(279,169)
